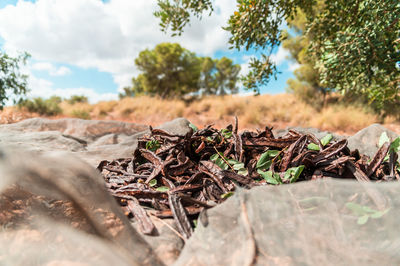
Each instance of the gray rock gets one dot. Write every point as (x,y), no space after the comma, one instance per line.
(178,126)
(88,130)
(36,140)
(268,225)
(306,223)
(40,186)
(367,139)
(40,141)
(90,140)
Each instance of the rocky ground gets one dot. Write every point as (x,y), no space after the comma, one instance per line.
(53,163)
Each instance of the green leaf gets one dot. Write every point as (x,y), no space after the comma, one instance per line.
(238,166)
(362,219)
(152,145)
(395,146)
(232,161)
(379,214)
(264,161)
(368,209)
(243,171)
(356,208)
(227,195)
(325,140)
(226,133)
(214,157)
(162,189)
(153,182)
(192,126)
(313,146)
(217,158)
(383,139)
(209,139)
(292,174)
(273,179)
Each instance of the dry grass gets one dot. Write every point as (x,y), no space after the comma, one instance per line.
(279,111)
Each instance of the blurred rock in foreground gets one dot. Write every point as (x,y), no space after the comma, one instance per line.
(55,210)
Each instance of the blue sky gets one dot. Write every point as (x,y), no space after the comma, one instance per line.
(88,46)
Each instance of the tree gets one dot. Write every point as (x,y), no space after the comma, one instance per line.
(12,81)
(207,82)
(218,76)
(306,84)
(355,44)
(170,70)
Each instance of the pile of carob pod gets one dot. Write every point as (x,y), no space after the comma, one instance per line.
(172,176)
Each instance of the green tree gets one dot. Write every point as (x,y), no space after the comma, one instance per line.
(355,45)
(127,92)
(168,70)
(218,76)
(12,81)
(226,76)
(207,82)
(306,84)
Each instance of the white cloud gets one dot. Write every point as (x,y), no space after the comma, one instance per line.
(279,57)
(106,36)
(51,69)
(293,66)
(45,89)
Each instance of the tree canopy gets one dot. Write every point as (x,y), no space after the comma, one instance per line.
(170,70)
(12,81)
(353,45)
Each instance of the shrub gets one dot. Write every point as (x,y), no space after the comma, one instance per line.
(41,106)
(77,99)
(82,114)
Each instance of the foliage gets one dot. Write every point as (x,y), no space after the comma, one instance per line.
(185,8)
(226,163)
(354,45)
(357,47)
(266,158)
(265,162)
(324,141)
(170,70)
(152,145)
(364,212)
(218,76)
(306,84)
(82,114)
(192,126)
(12,81)
(127,92)
(77,99)
(41,106)
(162,189)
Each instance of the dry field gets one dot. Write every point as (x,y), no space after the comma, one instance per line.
(279,111)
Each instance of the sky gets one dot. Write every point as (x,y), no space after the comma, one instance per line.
(88,47)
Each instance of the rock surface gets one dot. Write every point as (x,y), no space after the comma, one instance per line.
(306,223)
(62,203)
(226,234)
(92,141)
(366,140)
